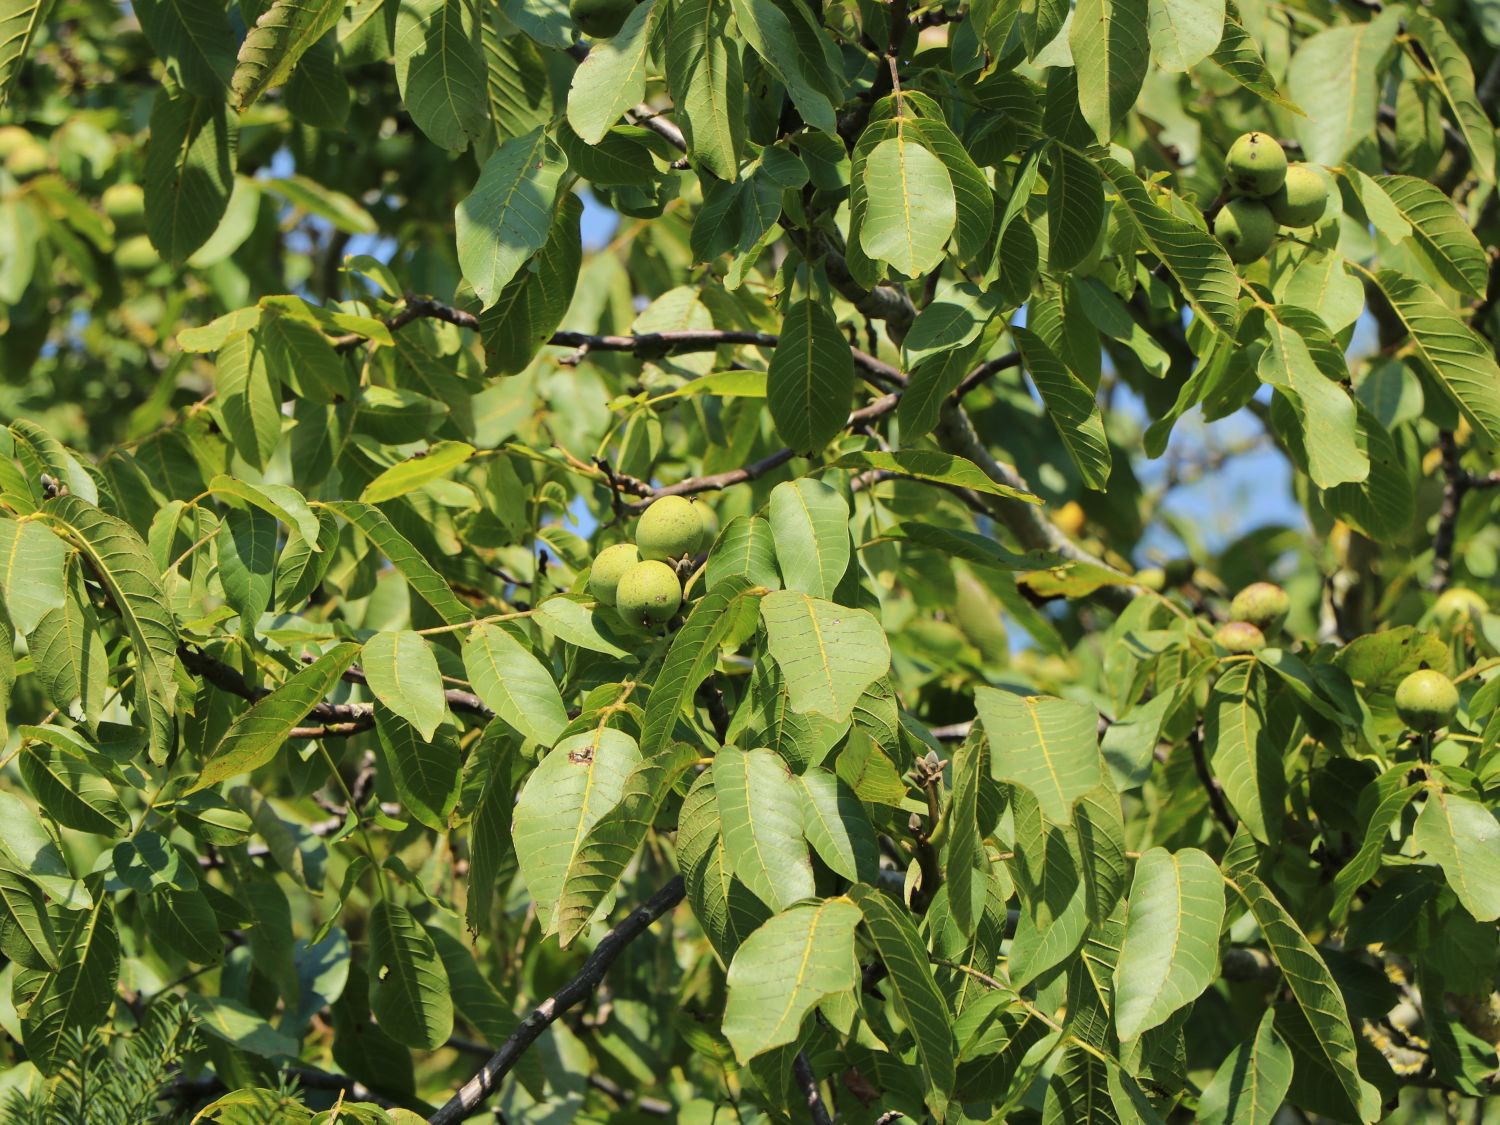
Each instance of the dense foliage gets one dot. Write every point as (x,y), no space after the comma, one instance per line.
(369,755)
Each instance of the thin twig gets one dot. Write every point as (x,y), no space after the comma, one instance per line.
(1456,482)
(1211,786)
(808,1081)
(476,1090)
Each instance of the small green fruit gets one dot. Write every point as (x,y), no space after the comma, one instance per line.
(12,137)
(600,19)
(1255,165)
(1239,638)
(1426,700)
(648,594)
(1302,199)
(1262,604)
(1246,227)
(136,256)
(1458,606)
(1152,578)
(669,529)
(28,160)
(609,568)
(125,204)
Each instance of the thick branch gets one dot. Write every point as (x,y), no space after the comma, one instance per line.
(474,1092)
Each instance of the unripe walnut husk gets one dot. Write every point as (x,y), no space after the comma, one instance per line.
(1426,700)
(648,594)
(669,529)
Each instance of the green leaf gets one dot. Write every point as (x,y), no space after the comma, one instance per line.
(433,463)
(78,996)
(299,355)
(1336,71)
(426,582)
(760,810)
(612,78)
(507,217)
(1244,759)
(693,655)
(576,623)
(1239,55)
(1251,1082)
(955,316)
(1454,76)
(794,961)
(1464,838)
(148,862)
(707,84)
(285,503)
(1112,54)
(810,382)
(409,990)
(1171,948)
(533,304)
(828,654)
(255,737)
(1072,407)
(122,564)
(27,844)
(913,988)
(810,527)
(1462,363)
(1192,256)
(249,398)
(440,71)
(189,175)
(910,208)
(577,782)
(240,1025)
(724,907)
(793,44)
(1302,361)
(193,40)
(246,543)
(1051,746)
(19,22)
(614,839)
(1313,989)
(1440,236)
(965,847)
(745,549)
(973,198)
(932,465)
(280,37)
(837,826)
(1184,32)
(514,684)
(32,572)
(1075,208)
(184,922)
(26,933)
(423,765)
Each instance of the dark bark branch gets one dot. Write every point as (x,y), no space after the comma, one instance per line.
(984,372)
(808,1082)
(1456,482)
(477,1090)
(1211,786)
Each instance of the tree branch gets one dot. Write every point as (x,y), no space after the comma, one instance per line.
(1456,482)
(474,1092)
(808,1081)
(1211,786)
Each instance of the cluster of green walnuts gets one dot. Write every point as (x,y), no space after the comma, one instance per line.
(1426,700)
(643,580)
(24,157)
(1264,194)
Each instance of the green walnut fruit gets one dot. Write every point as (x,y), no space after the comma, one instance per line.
(13,137)
(125,204)
(1246,227)
(600,19)
(1426,700)
(1262,604)
(1239,637)
(1255,165)
(669,529)
(1301,200)
(28,160)
(1458,606)
(136,256)
(609,568)
(648,594)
